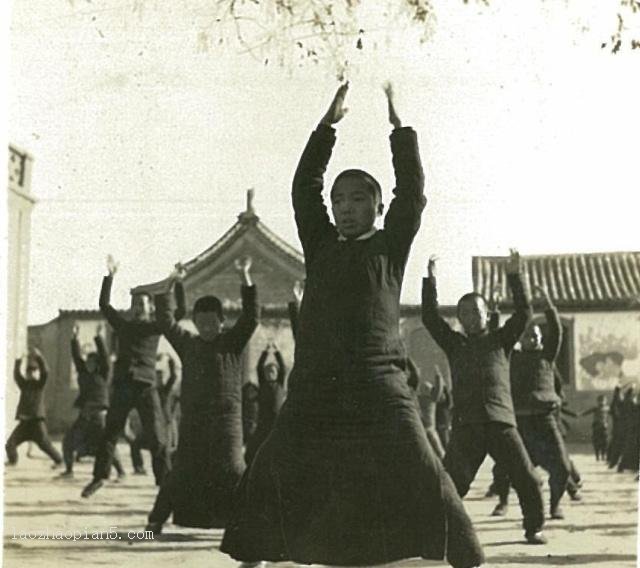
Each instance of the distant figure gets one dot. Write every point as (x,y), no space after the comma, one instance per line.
(631,432)
(599,427)
(93,401)
(250,407)
(271,394)
(617,433)
(30,412)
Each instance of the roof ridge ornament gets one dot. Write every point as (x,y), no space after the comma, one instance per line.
(249,214)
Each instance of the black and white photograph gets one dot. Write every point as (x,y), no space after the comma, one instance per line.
(338,283)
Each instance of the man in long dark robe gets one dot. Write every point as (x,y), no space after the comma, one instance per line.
(347,476)
(209,461)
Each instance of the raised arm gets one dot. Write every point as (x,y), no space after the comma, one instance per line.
(176,335)
(177,276)
(113,317)
(17,374)
(260,366)
(294,307)
(513,328)
(312,217)
(172,376)
(103,355)
(553,337)
(76,354)
(405,210)
(436,325)
(282,368)
(37,356)
(180,300)
(243,329)
(494,312)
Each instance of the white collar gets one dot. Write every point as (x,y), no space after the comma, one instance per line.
(362,237)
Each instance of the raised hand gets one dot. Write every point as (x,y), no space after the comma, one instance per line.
(337,110)
(243,268)
(298,291)
(179,272)
(112,265)
(431,266)
(514,265)
(394,119)
(34,351)
(495,301)
(543,294)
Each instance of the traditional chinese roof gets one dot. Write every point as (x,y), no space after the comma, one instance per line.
(609,280)
(276,264)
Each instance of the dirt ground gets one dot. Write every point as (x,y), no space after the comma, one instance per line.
(599,531)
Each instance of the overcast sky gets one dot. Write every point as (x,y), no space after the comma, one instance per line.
(144,146)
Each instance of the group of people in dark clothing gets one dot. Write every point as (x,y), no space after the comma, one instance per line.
(354,458)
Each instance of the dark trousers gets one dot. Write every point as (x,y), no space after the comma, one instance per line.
(135,446)
(616,445)
(128,394)
(163,506)
(600,440)
(83,438)
(470,444)
(545,446)
(34,430)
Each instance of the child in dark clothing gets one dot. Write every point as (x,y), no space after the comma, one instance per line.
(535,400)
(134,383)
(271,395)
(30,412)
(485,419)
(346,476)
(209,460)
(93,401)
(599,427)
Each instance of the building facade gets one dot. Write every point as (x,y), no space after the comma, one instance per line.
(20,203)
(598,298)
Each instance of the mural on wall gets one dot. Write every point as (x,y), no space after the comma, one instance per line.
(607,360)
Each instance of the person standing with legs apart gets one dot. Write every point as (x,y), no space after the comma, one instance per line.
(134,383)
(532,371)
(485,419)
(346,476)
(209,460)
(30,412)
(93,401)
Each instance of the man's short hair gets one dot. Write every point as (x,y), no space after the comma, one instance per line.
(471,296)
(369,180)
(208,304)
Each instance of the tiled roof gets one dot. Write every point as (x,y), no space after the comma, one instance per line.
(247,221)
(590,280)
(244,224)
